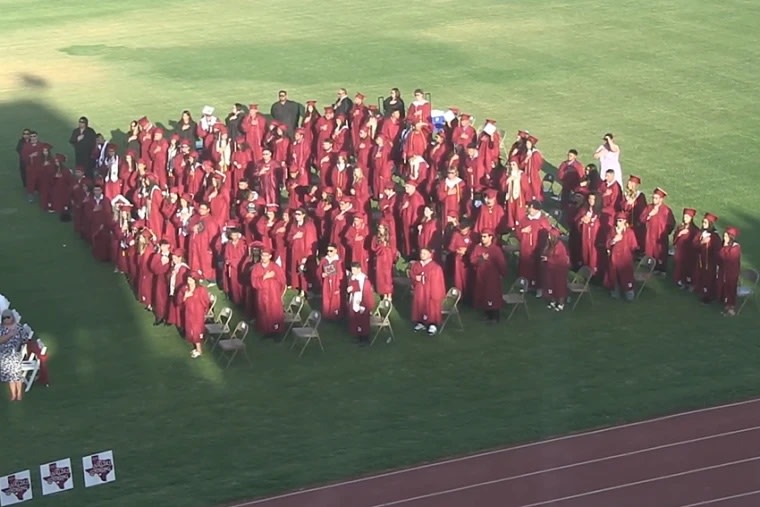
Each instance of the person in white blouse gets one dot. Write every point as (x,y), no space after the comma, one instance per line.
(608,154)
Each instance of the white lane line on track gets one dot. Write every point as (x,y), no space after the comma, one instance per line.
(716,501)
(493,452)
(567,467)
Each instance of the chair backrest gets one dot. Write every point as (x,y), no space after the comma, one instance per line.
(751,275)
(225,315)
(295,305)
(314,319)
(452,298)
(520,285)
(212,299)
(28,331)
(584,274)
(646,264)
(241,330)
(384,309)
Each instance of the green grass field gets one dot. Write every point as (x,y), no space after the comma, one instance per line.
(677,84)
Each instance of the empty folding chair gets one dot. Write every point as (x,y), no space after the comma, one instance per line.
(381,319)
(293,309)
(402,282)
(516,296)
(748,287)
(210,313)
(235,343)
(450,308)
(511,246)
(220,327)
(644,272)
(580,285)
(549,189)
(308,332)
(30,368)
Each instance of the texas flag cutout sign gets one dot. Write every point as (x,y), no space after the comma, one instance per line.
(15,488)
(56,476)
(99,468)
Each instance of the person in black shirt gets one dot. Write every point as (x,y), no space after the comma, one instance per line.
(186,128)
(287,112)
(233,120)
(25,135)
(83,140)
(394,103)
(343,104)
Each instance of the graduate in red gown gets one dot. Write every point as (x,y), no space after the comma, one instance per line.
(451,194)
(707,245)
(331,273)
(729,269)
(658,221)
(268,279)
(361,304)
(464,133)
(99,217)
(381,165)
(569,174)
(489,267)
(234,255)
(266,172)
(586,236)
(409,213)
(531,233)
(61,187)
(383,256)
(160,265)
(460,245)
(301,240)
(633,203)
(555,270)
(177,278)
(144,280)
(360,190)
(195,301)
(533,160)
(203,231)
(621,245)
(428,292)
(490,215)
(684,255)
(516,187)
(429,233)
(254,126)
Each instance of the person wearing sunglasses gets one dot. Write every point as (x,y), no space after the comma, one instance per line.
(11,339)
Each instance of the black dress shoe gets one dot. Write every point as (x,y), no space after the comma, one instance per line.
(159,322)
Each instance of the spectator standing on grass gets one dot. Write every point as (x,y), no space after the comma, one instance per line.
(343,104)
(287,112)
(83,139)
(394,102)
(608,154)
(11,339)
(23,140)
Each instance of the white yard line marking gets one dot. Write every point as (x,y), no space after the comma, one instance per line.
(496,451)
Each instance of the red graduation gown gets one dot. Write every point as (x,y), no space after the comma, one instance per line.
(234,255)
(330,272)
(160,266)
(658,228)
(684,256)
(556,269)
(361,303)
(270,314)
(707,246)
(489,267)
(194,308)
(729,268)
(383,260)
(459,262)
(530,233)
(203,231)
(428,292)
(620,260)
(302,247)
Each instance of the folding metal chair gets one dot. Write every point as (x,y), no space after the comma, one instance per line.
(579,285)
(381,319)
(235,343)
(644,272)
(516,296)
(210,312)
(403,282)
(220,327)
(548,186)
(450,308)
(308,332)
(293,317)
(748,288)
(30,367)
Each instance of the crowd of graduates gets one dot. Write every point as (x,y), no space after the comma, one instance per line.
(328,203)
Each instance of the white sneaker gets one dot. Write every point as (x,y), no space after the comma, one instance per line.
(419,327)
(539,293)
(195,354)
(559,308)
(432,330)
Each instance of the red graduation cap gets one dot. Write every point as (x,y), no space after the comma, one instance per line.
(158,131)
(46,146)
(634,179)
(690,211)
(522,134)
(112,147)
(272,206)
(177,252)
(175,137)
(343,154)
(487,232)
(620,215)
(231,224)
(373,108)
(142,162)
(329,109)
(359,96)
(311,102)
(187,197)
(300,130)
(282,127)
(341,116)
(193,154)
(533,139)
(491,193)
(732,231)
(711,218)
(253,107)
(174,190)
(411,183)
(328,190)
(454,109)
(60,157)
(465,117)
(660,192)
(207,165)
(240,139)
(138,224)
(143,122)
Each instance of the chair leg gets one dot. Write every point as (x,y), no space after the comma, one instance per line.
(292,345)
(527,312)
(247,358)
(514,307)
(459,320)
(377,333)
(232,357)
(577,300)
(319,341)
(443,324)
(304,346)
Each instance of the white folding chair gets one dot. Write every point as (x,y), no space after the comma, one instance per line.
(450,308)
(235,343)
(220,327)
(30,367)
(210,312)
(516,296)
(293,309)
(381,319)
(308,332)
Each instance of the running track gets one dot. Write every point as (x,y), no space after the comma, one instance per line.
(707,457)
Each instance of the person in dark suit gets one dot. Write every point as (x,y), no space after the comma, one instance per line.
(23,140)
(394,102)
(287,112)
(343,104)
(83,140)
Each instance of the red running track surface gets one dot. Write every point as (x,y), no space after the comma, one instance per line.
(707,457)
